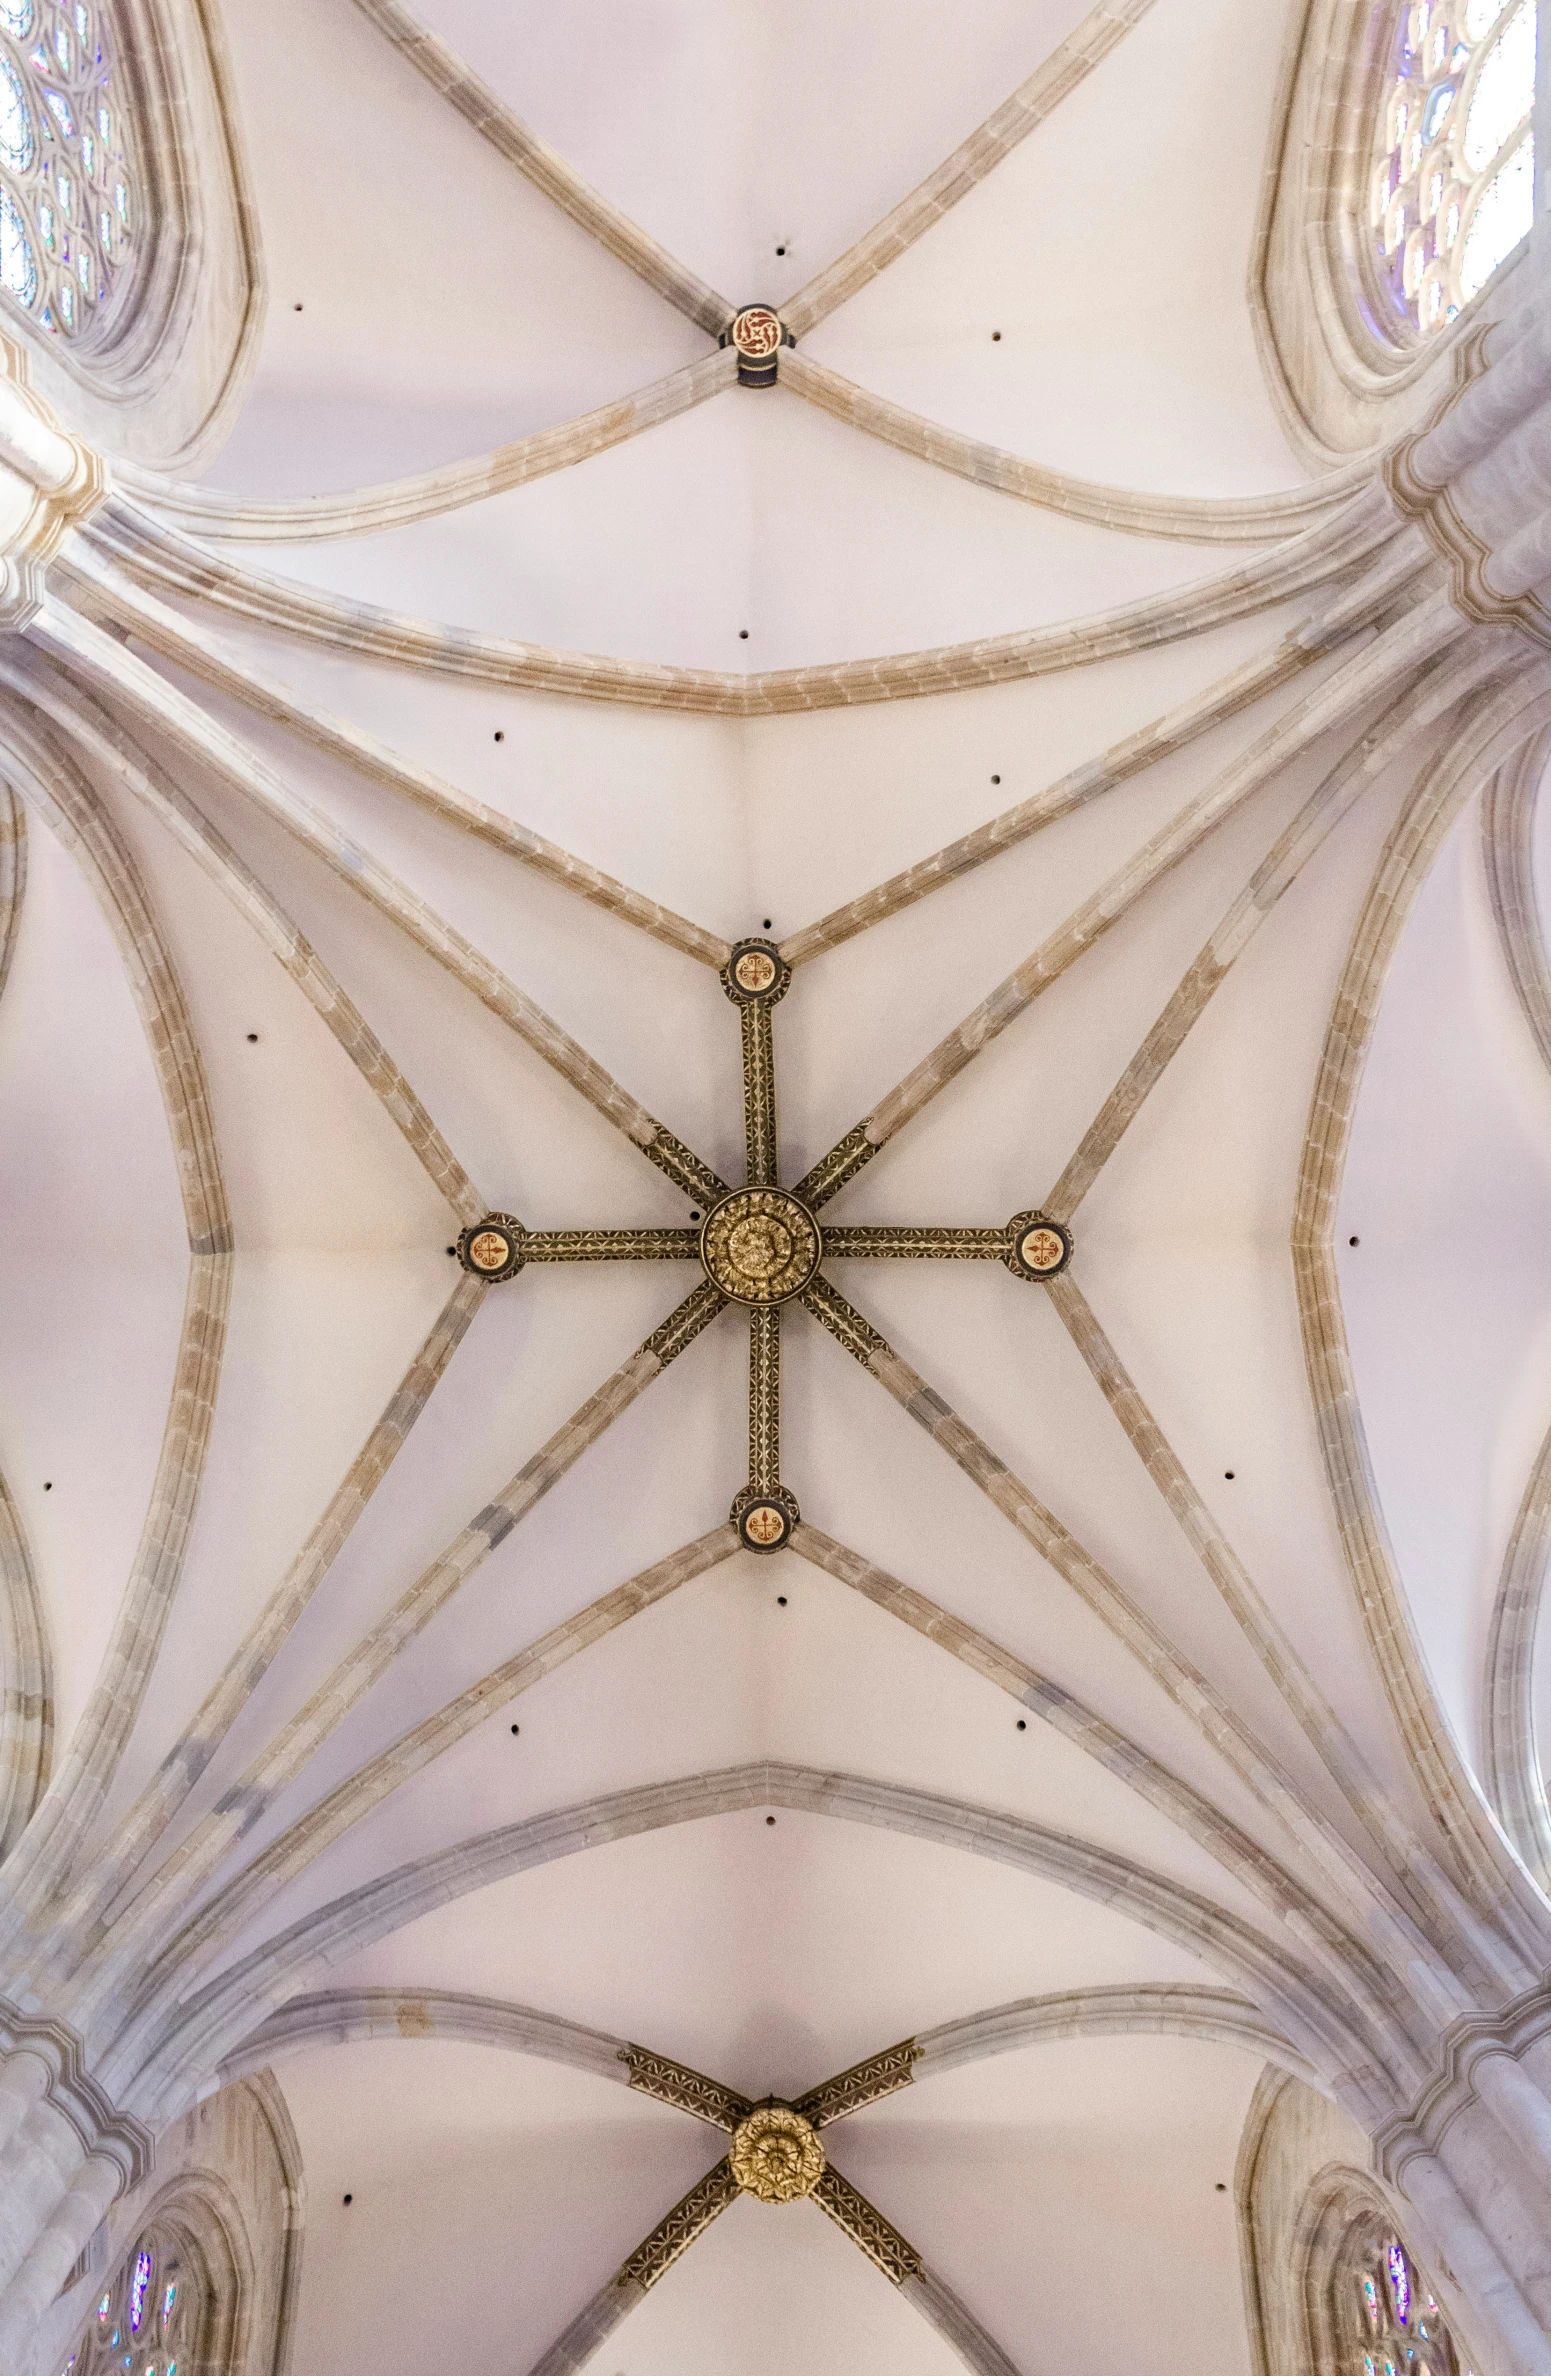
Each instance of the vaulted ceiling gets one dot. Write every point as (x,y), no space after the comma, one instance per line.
(1085,307)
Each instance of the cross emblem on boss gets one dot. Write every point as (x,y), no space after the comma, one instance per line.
(762,1246)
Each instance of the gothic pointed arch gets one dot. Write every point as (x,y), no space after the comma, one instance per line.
(128,261)
(1398,202)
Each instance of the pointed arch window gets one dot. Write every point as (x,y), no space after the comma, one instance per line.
(149,2320)
(1385,2318)
(69,211)
(1453,179)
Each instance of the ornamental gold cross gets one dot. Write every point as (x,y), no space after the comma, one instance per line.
(776,2156)
(761,1245)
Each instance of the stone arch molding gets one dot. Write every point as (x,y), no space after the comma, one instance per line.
(161,385)
(1340,385)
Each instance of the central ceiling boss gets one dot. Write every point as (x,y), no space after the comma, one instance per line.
(761,1246)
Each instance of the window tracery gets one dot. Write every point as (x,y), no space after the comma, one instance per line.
(1385,2318)
(1453,186)
(68,204)
(146,2323)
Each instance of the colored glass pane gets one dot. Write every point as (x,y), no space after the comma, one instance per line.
(69,216)
(1451,189)
(139,2289)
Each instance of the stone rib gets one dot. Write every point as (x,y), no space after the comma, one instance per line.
(243,1898)
(27,1668)
(1163,1790)
(765,1397)
(1187,519)
(1514,1775)
(902,1241)
(670,2082)
(865,2083)
(249,1798)
(1208,1709)
(673,2236)
(1426,1929)
(122,677)
(1425,700)
(610,1245)
(203,2028)
(957,2324)
(1511,1758)
(1150,2009)
(156,556)
(26,1657)
(180,1769)
(1069,63)
(866,2226)
(1498,1885)
(351,2016)
(591,2327)
(1401,650)
(369,511)
(759,1093)
(51,779)
(1239,690)
(189,647)
(113,750)
(494,121)
(1507,845)
(13,875)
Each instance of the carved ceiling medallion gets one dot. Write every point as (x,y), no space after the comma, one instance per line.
(756,332)
(492,1248)
(760,1245)
(775,2154)
(1037,1248)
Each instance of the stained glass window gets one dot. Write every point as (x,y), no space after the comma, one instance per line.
(1453,180)
(68,206)
(1387,2322)
(146,2321)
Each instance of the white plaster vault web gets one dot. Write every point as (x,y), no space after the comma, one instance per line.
(391,816)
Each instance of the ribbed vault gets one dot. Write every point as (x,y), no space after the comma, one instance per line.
(773,1339)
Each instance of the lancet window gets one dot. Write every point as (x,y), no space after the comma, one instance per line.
(1453,183)
(147,2321)
(1385,2318)
(68,205)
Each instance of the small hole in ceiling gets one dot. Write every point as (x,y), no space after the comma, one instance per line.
(516,1728)
(499,736)
(1221,2188)
(770,1819)
(1023,1724)
(743,635)
(253,1039)
(1228,1473)
(48,1485)
(694,1216)
(452,1250)
(996,337)
(350,2198)
(780,1600)
(298,309)
(780,251)
(767,924)
(996,779)
(1351,1241)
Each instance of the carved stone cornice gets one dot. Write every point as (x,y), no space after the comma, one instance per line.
(1463,549)
(1453,2088)
(49,483)
(74,2094)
